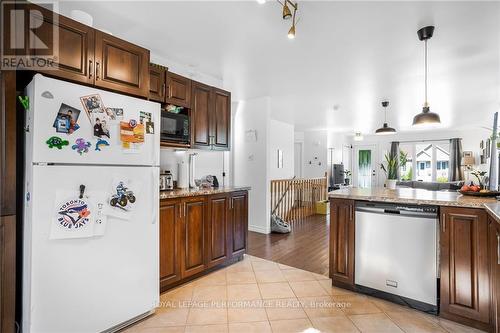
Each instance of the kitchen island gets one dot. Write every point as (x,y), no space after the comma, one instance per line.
(468,247)
(200,231)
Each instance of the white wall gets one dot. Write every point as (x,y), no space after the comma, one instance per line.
(315,151)
(281,136)
(470,141)
(251,165)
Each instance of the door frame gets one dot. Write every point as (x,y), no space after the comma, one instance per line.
(301,157)
(375,162)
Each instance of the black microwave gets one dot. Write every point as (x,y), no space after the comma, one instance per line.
(174,127)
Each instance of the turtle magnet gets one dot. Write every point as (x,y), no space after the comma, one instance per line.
(55,141)
(101,143)
(81,146)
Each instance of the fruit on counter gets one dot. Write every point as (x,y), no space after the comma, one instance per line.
(475,188)
(484,191)
(465,188)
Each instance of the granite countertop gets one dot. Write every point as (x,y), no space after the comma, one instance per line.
(182,193)
(414,196)
(494,209)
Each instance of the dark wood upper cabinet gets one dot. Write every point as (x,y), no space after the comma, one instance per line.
(494,235)
(465,287)
(120,65)
(178,90)
(342,240)
(201,111)
(157,83)
(75,49)
(170,232)
(193,216)
(217,226)
(238,225)
(221,123)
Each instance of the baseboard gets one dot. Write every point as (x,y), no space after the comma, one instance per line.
(259,229)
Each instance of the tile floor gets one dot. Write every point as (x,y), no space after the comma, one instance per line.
(256,295)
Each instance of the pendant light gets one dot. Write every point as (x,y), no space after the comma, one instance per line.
(287,14)
(385,129)
(426,117)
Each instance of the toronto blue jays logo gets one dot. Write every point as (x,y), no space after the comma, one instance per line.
(73,214)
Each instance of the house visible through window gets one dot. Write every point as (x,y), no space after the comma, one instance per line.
(430,161)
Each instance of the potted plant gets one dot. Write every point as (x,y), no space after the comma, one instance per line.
(347,174)
(391,170)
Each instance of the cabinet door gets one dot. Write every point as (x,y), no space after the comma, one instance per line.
(157,75)
(217,226)
(169,242)
(200,115)
(238,223)
(495,273)
(178,90)
(221,119)
(120,65)
(75,49)
(342,230)
(465,285)
(193,236)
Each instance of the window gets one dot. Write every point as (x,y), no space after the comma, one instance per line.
(430,160)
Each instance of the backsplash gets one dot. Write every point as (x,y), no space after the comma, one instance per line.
(207,163)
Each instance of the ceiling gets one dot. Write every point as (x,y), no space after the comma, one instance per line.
(347,56)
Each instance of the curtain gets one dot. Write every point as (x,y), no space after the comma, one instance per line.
(455,172)
(395,153)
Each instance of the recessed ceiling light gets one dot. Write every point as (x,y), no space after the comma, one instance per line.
(261,2)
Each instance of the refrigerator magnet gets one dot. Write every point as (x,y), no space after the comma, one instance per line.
(92,105)
(73,217)
(57,142)
(81,146)
(25,102)
(66,120)
(100,143)
(146,119)
(123,198)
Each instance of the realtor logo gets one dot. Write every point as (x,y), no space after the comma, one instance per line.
(30,35)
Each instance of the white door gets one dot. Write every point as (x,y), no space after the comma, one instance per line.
(89,284)
(365,166)
(298,159)
(47,95)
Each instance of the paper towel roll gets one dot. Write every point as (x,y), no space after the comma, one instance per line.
(182,175)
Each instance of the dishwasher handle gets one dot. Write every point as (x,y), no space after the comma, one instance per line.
(384,211)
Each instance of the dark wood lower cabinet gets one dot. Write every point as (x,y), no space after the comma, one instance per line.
(170,228)
(494,243)
(200,233)
(238,227)
(193,217)
(217,240)
(465,280)
(342,239)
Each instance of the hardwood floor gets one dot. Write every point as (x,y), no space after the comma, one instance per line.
(306,247)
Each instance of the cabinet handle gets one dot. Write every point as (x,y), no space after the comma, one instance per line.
(169,91)
(91,69)
(184,209)
(443,222)
(498,249)
(163,90)
(97,70)
(350,212)
(232,203)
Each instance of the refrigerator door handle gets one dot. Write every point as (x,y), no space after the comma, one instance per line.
(156,197)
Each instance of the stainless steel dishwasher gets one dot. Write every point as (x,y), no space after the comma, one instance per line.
(396,251)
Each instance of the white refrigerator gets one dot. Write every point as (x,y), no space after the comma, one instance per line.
(90,260)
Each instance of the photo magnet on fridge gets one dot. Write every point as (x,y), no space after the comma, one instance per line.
(146,119)
(101,122)
(115,113)
(66,119)
(73,217)
(92,104)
